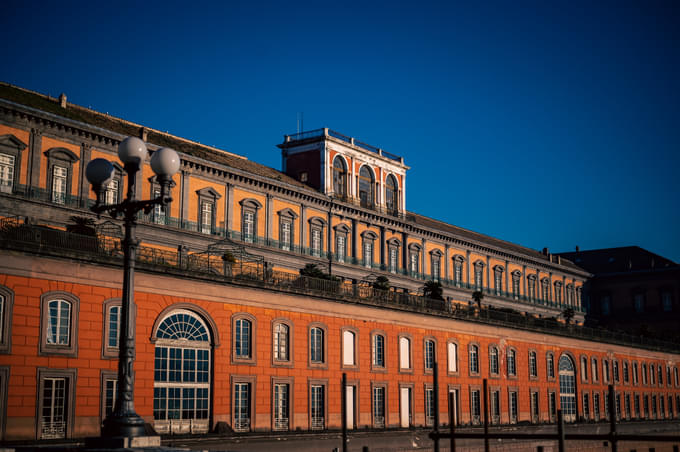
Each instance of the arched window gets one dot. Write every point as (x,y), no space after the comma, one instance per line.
(242,341)
(316,345)
(281,342)
(391,194)
(430,350)
(512,363)
(339,177)
(567,388)
(473,359)
(182,373)
(366,182)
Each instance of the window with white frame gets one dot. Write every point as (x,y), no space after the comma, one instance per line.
(317,339)
(242,336)
(452,351)
(6,305)
(533,368)
(6,173)
(435,265)
(493,360)
(429,406)
(512,396)
(59,180)
(394,259)
(111,194)
(207,209)
(558,292)
(242,406)
(404,353)
(531,284)
(458,271)
(112,319)
(317,410)
(348,345)
(340,246)
(368,252)
(475,406)
(498,279)
(429,354)
(511,362)
(379,407)
(316,243)
(281,406)
(249,211)
(59,323)
(281,342)
(473,358)
(286,228)
(545,289)
(550,365)
(479,282)
(378,350)
(414,266)
(56,400)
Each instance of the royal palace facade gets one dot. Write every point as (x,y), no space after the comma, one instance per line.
(231,337)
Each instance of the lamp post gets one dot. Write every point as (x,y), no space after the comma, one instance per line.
(124,421)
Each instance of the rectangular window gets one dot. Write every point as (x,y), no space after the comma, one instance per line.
(340,246)
(6,173)
(429,355)
(59,178)
(242,407)
(645,405)
(653,407)
(550,364)
(379,407)
(317,407)
(158,210)
(435,268)
(498,282)
(552,405)
(249,226)
(636,402)
(478,277)
(495,407)
(596,406)
(368,253)
(606,405)
(348,348)
(666,301)
(281,406)
(453,357)
(429,406)
(515,287)
(535,410)
(586,406)
(54,406)
(474,359)
(285,235)
(316,345)
(404,353)
(414,262)
(393,260)
(662,409)
(458,272)
(114,325)
(639,302)
(618,406)
(533,370)
(111,195)
(378,350)
(513,407)
(475,407)
(110,393)
(626,399)
(206,217)
(316,242)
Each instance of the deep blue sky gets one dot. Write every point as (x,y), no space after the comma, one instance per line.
(543,123)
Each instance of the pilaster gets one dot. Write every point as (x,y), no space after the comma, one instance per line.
(35,148)
(84,185)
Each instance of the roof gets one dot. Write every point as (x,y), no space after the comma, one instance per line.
(485,239)
(107,122)
(616,260)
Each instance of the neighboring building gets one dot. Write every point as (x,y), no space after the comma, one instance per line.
(229,336)
(632,289)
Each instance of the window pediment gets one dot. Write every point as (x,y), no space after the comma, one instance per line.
(250,202)
(288,213)
(414,247)
(394,242)
(369,235)
(62,154)
(209,192)
(317,221)
(341,228)
(9,141)
(436,253)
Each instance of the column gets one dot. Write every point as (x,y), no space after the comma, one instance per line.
(382,247)
(329,247)
(507,276)
(84,187)
(303,228)
(550,288)
(229,209)
(467,273)
(422,257)
(268,218)
(524,279)
(35,151)
(184,197)
(446,262)
(488,272)
(354,239)
(404,252)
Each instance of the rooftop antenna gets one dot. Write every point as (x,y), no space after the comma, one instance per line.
(300,122)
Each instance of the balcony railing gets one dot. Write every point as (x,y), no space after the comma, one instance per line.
(242,424)
(342,137)
(52,242)
(317,423)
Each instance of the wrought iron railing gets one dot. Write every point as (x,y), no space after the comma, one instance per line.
(242,424)
(44,240)
(281,423)
(317,423)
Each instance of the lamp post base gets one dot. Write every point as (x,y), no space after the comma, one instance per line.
(124,426)
(122,442)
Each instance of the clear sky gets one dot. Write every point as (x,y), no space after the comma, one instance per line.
(548,124)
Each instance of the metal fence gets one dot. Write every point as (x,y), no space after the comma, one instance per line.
(249,269)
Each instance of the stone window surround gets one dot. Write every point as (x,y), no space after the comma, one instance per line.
(344,172)
(374,367)
(414,249)
(366,236)
(496,374)
(497,389)
(249,205)
(411,401)
(402,369)
(448,366)
(71,349)
(458,260)
(283,362)
(478,372)
(108,351)
(11,145)
(476,388)
(498,271)
(552,415)
(355,353)
(252,359)
(393,244)
(535,355)
(509,349)
(252,380)
(537,419)
(397,192)
(207,195)
(318,224)
(511,390)
(6,337)
(59,156)
(341,230)
(584,369)
(517,277)
(427,371)
(118,173)
(287,215)
(197,311)
(324,362)
(594,369)
(478,266)
(104,376)
(428,386)
(436,256)
(70,375)
(385,386)
(323,382)
(548,362)
(290,381)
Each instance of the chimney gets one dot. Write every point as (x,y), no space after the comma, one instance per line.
(546,251)
(577,249)
(143,133)
(62,100)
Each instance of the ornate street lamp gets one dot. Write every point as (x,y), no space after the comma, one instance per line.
(123,421)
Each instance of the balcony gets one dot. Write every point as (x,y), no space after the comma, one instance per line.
(247,270)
